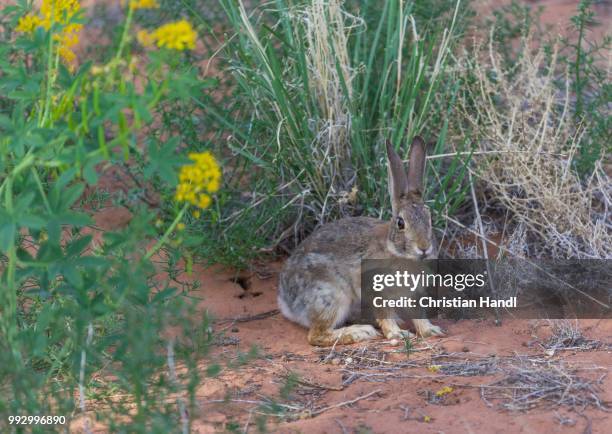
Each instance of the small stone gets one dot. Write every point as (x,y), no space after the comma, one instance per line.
(235,329)
(549,352)
(335,361)
(348,360)
(394,342)
(465,349)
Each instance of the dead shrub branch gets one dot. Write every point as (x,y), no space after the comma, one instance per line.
(525,152)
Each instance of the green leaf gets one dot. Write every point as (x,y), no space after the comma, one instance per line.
(91,261)
(73,275)
(32,221)
(90,174)
(55,195)
(164,294)
(164,161)
(74,218)
(7,235)
(72,194)
(5,122)
(76,247)
(23,202)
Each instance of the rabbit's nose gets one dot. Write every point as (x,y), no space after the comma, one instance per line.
(423,253)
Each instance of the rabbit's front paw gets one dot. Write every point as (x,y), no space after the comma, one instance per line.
(432,330)
(363,332)
(391,330)
(426,329)
(357,333)
(400,335)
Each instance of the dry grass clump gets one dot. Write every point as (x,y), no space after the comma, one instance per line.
(326,28)
(533,382)
(566,335)
(526,147)
(466,367)
(312,122)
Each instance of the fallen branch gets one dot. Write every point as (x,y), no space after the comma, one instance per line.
(342,404)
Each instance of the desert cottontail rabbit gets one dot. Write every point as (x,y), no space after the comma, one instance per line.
(319,286)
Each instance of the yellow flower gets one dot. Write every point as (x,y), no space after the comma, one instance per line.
(67,55)
(176,36)
(203,200)
(433,368)
(145,38)
(196,214)
(59,12)
(144,4)
(444,391)
(28,23)
(198,180)
(180,226)
(426,419)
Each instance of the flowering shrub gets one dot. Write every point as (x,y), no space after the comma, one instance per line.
(72,308)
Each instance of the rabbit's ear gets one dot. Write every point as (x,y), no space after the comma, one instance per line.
(398,182)
(416,167)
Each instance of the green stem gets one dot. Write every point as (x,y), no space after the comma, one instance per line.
(164,237)
(51,74)
(10,314)
(9,319)
(12,291)
(41,189)
(124,35)
(578,64)
(27,160)
(158,94)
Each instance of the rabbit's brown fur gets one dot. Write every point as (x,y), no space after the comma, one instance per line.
(319,286)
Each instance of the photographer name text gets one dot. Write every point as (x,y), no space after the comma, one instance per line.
(444,302)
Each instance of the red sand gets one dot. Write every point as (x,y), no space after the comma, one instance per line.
(284,349)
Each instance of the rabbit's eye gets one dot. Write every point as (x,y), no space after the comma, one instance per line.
(400,224)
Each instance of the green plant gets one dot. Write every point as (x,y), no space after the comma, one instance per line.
(509,24)
(83,312)
(583,57)
(318,88)
(592,88)
(408,347)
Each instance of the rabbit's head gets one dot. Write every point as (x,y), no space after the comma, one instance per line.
(410,234)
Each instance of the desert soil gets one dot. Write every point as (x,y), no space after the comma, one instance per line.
(319,401)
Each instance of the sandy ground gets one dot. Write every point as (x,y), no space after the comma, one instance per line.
(318,403)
